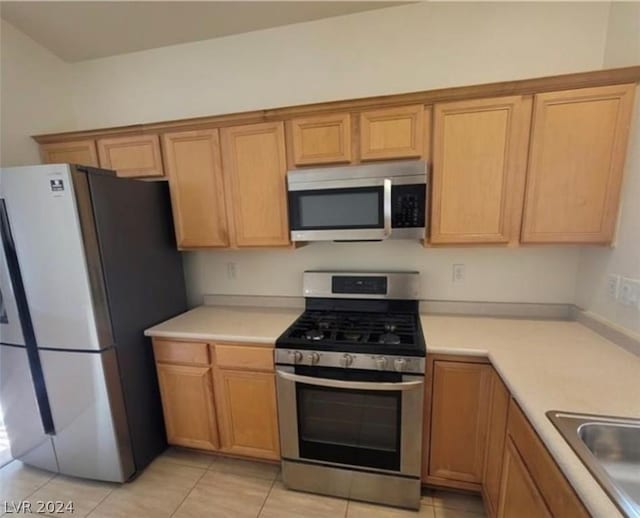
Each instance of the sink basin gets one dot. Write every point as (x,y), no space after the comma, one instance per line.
(610,448)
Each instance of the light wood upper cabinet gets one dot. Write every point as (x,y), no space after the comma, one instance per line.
(134,156)
(496,434)
(390,133)
(82,152)
(188,405)
(255,168)
(519,495)
(194,167)
(459,420)
(479,163)
(576,161)
(321,139)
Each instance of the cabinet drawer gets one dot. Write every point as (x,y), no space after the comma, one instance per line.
(244,357)
(554,487)
(192,353)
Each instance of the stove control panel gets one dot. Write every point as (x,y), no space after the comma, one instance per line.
(390,363)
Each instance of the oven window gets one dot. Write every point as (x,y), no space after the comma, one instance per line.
(354,427)
(336,209)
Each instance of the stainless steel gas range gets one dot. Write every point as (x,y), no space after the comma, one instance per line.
(350,384)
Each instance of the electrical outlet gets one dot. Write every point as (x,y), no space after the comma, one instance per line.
(231,270)
(458,274)
(613,285)
(630,292)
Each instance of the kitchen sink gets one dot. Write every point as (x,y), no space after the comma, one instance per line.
(610,448)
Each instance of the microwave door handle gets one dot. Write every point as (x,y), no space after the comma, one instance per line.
(350,385)
(386,207)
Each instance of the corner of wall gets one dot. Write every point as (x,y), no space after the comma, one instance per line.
(36,95)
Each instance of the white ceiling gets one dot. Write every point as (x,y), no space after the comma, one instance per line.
(76,31)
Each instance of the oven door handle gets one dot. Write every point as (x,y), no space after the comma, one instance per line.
(353,385)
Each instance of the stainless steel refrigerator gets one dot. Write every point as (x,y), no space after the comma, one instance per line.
(88,262)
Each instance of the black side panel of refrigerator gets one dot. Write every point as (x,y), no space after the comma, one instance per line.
(144,282)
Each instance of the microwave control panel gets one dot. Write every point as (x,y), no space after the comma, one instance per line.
(408,206)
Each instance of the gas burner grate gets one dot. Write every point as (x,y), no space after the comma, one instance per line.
(354,328)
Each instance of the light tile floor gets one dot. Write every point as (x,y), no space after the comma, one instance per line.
(187,484)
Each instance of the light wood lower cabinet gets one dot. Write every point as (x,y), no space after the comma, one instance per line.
(458,423)
(187,402)
(219,397)
(496,433)
(246,404)
(519,495)
(477,438)
(557,493)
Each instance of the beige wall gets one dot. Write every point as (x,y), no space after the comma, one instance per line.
(400,49)
(622,49)
(35,95)
(540,274)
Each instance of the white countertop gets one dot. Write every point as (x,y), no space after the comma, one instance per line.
(228,324)
(547,365)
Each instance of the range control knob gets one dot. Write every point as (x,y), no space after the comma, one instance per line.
(295,356)
(381,363)
(399,363)
(314,358)
(346,360)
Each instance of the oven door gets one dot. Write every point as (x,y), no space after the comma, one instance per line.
(359,212)
(361,419)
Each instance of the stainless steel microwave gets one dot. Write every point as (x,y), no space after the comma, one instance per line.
(368,202)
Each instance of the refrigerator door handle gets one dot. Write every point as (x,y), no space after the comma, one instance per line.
(13,266)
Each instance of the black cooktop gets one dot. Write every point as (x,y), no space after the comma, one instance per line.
(381,331)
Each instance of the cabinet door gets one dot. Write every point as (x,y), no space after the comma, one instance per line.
(392,133)
(82,152)
(558,494)
(496,433)
(188,405)
(577,155)
(479,163)
(197,189)
(255,169)
(132,157)
(519,495)
(322,139)
(247,413)
(459,420)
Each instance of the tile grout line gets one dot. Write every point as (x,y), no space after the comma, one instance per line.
(204,472)
(55,475)
(100,502)
(273,483)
